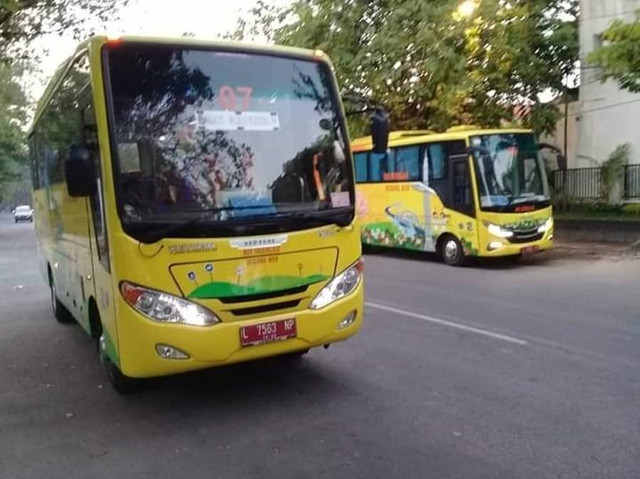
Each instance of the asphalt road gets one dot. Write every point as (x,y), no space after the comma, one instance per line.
(519,370)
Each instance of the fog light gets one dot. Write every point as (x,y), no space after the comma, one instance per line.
(169,352)
(551,236)
(494,245)
(347,321)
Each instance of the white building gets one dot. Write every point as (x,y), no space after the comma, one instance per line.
(605,116)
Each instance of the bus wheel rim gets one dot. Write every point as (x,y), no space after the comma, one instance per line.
(451,249)
(53,297)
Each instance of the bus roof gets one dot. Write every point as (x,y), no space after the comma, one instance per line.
(97,41)
(412,137)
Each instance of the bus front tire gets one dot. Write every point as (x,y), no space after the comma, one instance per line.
(451,251)
(122,383)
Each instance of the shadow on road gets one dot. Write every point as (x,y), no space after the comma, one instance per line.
(504,262)
(243,382)
(249,384)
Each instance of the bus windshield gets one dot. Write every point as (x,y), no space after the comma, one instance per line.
(237,135)
(509,171)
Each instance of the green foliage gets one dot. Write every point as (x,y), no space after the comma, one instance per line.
(619,57)
(632,209)
(613,169)
(430,66)
(517,50)
(21,21)
(12,146)
(17,191)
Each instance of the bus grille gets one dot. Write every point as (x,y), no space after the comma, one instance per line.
(526,236)
(265,308)
(258,297)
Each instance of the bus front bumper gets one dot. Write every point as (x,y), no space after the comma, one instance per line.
(220,344)
(504,248)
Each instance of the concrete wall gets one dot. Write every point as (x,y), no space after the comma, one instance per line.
(607,116)
(556,138)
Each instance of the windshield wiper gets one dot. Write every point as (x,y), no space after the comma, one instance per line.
(154,236)
(338,218)
(325,217)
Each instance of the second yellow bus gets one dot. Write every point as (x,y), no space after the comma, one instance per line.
(465,192)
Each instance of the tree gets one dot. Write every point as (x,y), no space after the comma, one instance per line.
(12,146)
(517,50)
(428,64)
(22,21)
(612,171)
(619,57)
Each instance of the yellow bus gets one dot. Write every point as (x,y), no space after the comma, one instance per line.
(195,203)
(465,192)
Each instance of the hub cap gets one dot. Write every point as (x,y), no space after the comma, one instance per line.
(451,249)
(53,297)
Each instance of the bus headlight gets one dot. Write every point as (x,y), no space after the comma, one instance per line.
(498,231)
(546,226)
(166,308)
(340,286)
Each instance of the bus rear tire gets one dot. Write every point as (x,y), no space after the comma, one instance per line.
(451,251)
(60,312)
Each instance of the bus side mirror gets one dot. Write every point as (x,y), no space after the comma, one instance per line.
(561,160)
(79,172)
(380,130)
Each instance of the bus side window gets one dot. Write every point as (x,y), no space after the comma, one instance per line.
(437,157)
(407,164)
(362,173)
(90,134)
(87,134)
(60,126)
(33,158)
(40,175)
(379,165)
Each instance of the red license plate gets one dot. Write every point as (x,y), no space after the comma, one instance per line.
(268,332)
(530,249)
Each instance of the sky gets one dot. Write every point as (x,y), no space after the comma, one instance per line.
(205,18)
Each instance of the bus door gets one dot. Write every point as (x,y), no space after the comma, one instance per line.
(461,191)
(448,174)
